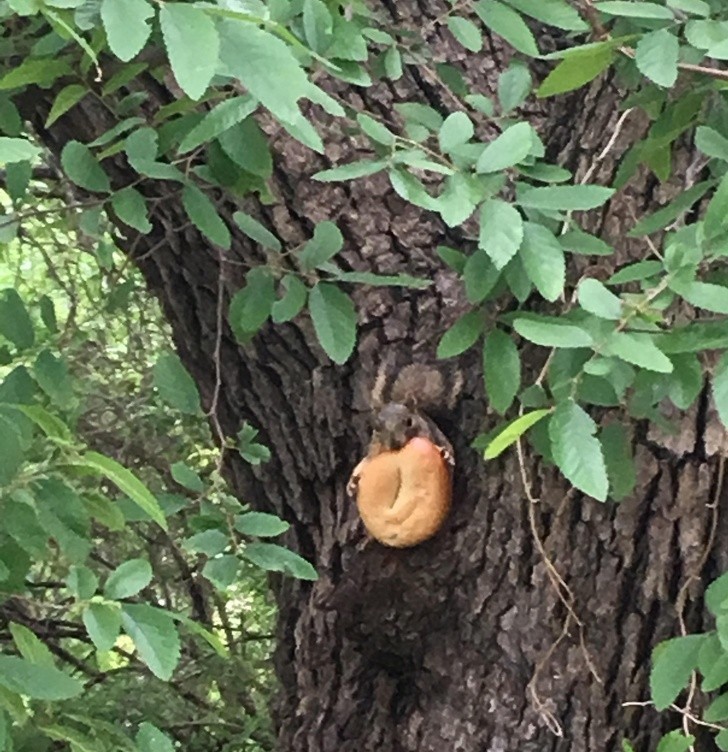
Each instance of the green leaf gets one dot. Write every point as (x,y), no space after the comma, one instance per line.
(466,32)
(274,558)
(125,23)
(52,375)
(619,460)
(510,148)
(456,130)
(711,143)
(464,333)
(577,70)
(82,582)
(565,197)
(552,332)
(636,272)
(717,711)
(351,171)
(656,57)
(375,130)
(597,299)
(255,231)
(716,215)
(383,280)
(268,69)
(501,370)
(633,9)
(128,579)
(719,385)
(260,524)
(576,450)
(219,119)
(131,208)
(505,22)
(704,295)
(552,12)
(16,150)
(543,260)
(251,306)
(326,242)
(668,214)
(317,25)
(512,432)
(66,98)
(673,661)
(514,85)
(150,739)
(204,216)
(38,682)
(154,636)
(480,276)
(334,320)
(293,300)
(675,741)
(29,646)
(638,349)
(192,44)
(222,571)
(175,385)
(716,595)
(686,381)
(501,231)
(81,167)
(187,477)
(15,323)
(103,624)
(209,542)
(127,482)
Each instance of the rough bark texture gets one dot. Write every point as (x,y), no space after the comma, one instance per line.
(464,643)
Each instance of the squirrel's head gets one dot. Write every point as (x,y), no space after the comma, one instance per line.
(395,424)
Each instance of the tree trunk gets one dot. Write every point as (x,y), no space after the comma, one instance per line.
(523,625)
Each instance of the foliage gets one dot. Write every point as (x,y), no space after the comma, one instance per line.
(610,350)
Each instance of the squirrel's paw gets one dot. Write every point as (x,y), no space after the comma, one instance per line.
(448,456)
(353,484)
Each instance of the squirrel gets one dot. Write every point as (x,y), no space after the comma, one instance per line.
(403,484)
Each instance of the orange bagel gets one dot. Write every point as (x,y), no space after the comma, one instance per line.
(404,496)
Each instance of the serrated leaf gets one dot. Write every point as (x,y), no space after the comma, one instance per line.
(260,524)
(251,306)
(543,260)
(29,646)
(501,231)
(505,22)
(549,332)
(597,299)
(15,323)
(222,571)
(375,130)
(52,375)
(577,70)
(510,148)
(675,741)
(209,542)
(131,208)
(127,482)
(512,432)
(466,32)
(673,661)
(175,385)
(576,450)
(456,130)
(717,711)
(705,295)
(480,276)
(293,300)
(463,334)
(668,214)
(81,168)
(187,477)
(186,28)
(125,23)
(501,370)
(565,197)
(275,558)
(686,381)
(634,9)
(255,230)
(638,349)
(150,739)
(656,57)
(711,143)
(38,682)
(383,280)
(334,320)
(128,579)
(719,384)
(716,215)
(619,460)
(635,272)
(66,98)
(317,24)
(16,150)
(218,120)
(326,242)
(351,171)
(204,216)
(103,625)
(82,582)
(155,638)
(247,146)
(552,12)
(514,85)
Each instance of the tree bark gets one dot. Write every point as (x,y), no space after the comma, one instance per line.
(523,624)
